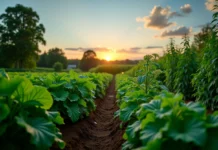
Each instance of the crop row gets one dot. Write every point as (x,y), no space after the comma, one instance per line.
(160,120)
(32,104)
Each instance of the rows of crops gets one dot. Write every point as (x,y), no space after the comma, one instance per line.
(160,119)
(154,113)
(33,104)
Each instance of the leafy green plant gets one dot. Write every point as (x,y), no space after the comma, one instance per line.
(206,81)
(172,57)
(166,122)
(25,116)
(73,93)
(161,120)
(186,67)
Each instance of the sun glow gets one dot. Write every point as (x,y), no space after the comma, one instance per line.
(108,58)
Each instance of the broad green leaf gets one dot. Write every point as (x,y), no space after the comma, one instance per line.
(128,145)
(7,87)
(41,95)
(132,129)
(89,85)
(188,129)
(127,112)
(57,85)
(23,89)
(4,111)
(60,94)
(196,107)
(168,101)
(149,118)
(83,91)
(55,117)
(73,97)
(69,86)
(42,132)
(152,106)
(73,111)
(152,131)
(212,121)
(82,102)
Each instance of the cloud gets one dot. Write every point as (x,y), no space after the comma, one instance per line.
(153,47)
(81,49)
(180,31)
(159,18)
(186,9)
(210,5)
(130,50)
(138,50)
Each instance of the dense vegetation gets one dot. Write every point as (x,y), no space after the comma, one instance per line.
(154,97)
(31,105)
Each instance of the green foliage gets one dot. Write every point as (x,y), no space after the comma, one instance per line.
(58,66)
(172,57)
(20,34)
(186,67)
(48,59)
(25,116)
(206,81)
(73,93)
(160,120)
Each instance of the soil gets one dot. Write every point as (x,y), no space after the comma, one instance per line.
(100,131)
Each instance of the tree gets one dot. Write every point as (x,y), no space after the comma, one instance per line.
(89,60)
(20,34)
(51,57)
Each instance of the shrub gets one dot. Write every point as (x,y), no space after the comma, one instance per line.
(58,66)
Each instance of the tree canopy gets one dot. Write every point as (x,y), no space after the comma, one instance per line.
(20,35)
(88,60)
(48,59)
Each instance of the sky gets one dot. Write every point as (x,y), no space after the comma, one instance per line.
(116,29)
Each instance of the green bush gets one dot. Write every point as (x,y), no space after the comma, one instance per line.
(58,66)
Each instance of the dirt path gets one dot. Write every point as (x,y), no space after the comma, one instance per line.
(100,131)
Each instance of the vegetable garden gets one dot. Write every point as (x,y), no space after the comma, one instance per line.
(160,104)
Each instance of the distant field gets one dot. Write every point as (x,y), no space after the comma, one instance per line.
(111,68)
(38,69)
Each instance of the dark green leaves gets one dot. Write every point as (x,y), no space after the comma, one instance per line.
(60,94)
(188,129)
(141,79)
(4,111)
(127,112)
(73,111)
(41,131)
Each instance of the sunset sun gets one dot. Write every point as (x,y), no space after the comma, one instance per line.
(108,58)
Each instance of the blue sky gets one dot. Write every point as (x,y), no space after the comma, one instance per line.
(119,29)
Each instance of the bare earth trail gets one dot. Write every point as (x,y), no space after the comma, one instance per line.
(100,131)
